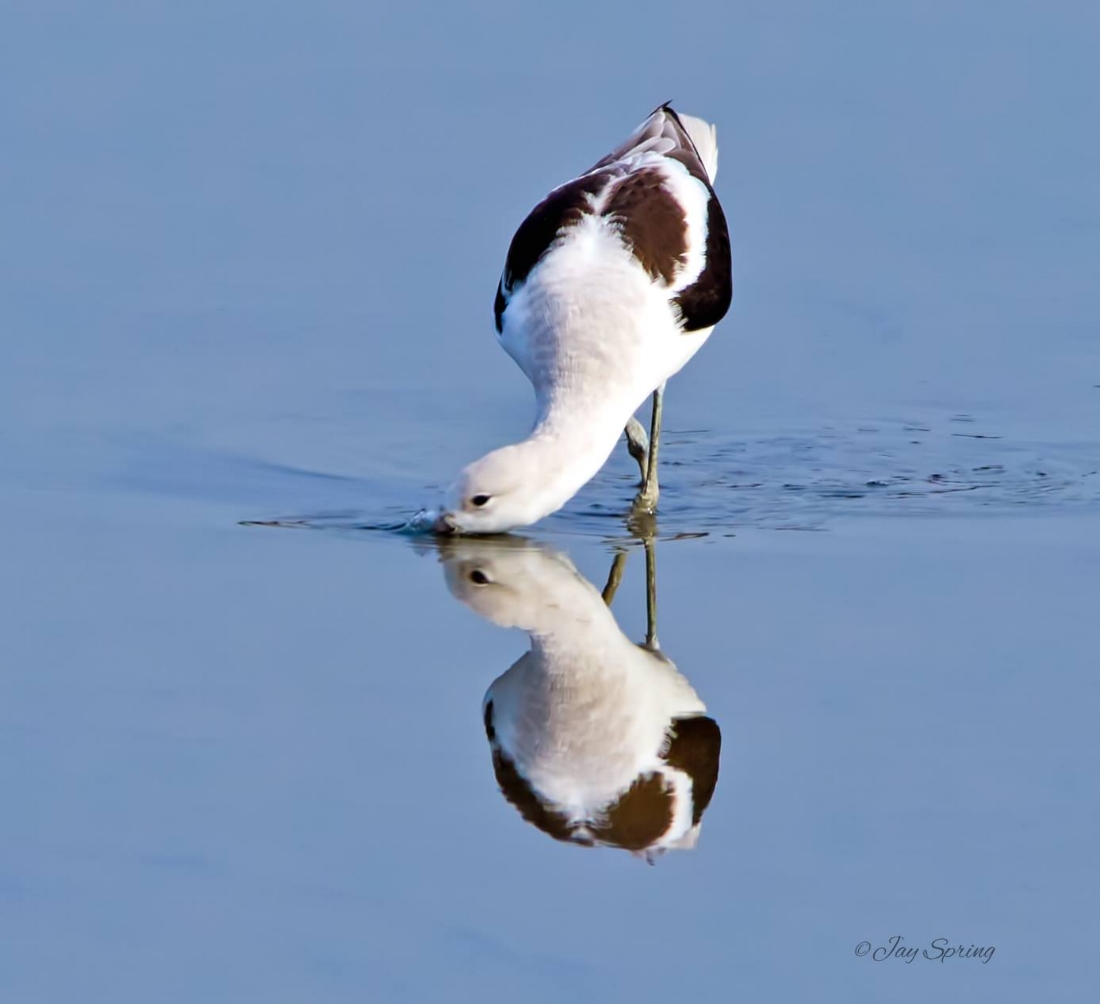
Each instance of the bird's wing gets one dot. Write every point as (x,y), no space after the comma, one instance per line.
(695,747)
(655,191)
(702,288)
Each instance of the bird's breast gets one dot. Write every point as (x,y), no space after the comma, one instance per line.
(589,312)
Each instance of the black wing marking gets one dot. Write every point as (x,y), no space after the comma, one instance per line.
(651,221)
(705,302)
(696,748)
(640,816)
(518,791)
(564,207)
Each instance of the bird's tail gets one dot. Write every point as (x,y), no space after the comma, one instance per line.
(663,132)
(705,137)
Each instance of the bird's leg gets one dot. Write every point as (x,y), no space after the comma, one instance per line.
(637,442)
(614,577)
(647,497)
(651,595)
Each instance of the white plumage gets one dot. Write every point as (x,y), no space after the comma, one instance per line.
(595,740)
(611,284)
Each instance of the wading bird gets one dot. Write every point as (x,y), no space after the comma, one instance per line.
(611,284)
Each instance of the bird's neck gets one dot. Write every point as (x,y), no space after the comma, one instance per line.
(568,446)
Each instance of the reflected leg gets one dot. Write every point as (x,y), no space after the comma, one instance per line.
(614,577)
(651,641)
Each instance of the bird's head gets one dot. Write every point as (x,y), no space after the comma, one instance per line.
(515,582)
(503,490)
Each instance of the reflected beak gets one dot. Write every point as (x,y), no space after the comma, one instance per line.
(445,524)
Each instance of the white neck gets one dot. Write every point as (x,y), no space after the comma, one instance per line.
(568,446)
(576,428)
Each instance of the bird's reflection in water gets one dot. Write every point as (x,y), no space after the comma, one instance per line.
(595,740)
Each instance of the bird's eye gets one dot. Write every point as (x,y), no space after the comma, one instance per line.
(480,500)
(479,578)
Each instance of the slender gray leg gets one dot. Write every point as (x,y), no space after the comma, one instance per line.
(647,497)
(651,641)
(637,442)
(614,577)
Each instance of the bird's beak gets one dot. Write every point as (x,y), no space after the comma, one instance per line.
(445,524)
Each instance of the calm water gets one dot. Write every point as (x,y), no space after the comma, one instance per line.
(247,278)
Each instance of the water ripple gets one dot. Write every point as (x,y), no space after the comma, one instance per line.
(806,480)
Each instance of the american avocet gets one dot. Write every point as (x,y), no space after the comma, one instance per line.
(611,284)
(595,740)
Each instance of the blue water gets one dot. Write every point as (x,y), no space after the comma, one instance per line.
(248,267)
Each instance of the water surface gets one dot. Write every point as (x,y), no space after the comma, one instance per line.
(248,279)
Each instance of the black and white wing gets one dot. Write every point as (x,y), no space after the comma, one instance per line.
(656,191)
